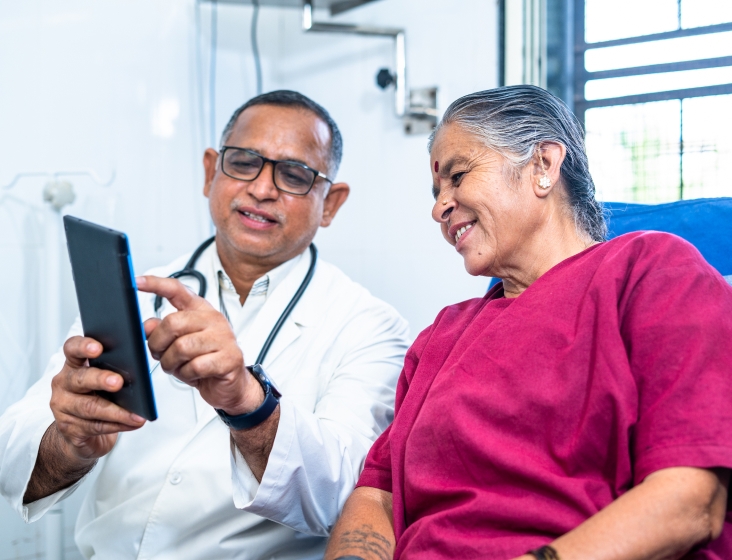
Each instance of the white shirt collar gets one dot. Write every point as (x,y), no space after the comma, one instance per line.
(264,285)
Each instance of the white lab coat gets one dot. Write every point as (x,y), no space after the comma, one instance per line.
(173,490)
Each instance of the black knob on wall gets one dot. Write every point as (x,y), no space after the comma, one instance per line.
(385,78)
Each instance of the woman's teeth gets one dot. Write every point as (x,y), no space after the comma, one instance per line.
(255,217)
(460,232)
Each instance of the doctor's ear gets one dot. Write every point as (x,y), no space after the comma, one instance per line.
(210,159)
(337,195)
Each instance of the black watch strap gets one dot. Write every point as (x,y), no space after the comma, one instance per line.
(259,415)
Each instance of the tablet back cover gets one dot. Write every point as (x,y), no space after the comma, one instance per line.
(107,296)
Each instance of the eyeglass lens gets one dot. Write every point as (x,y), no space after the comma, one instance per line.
(246,165)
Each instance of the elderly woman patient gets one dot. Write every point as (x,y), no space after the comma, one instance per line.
(582,409)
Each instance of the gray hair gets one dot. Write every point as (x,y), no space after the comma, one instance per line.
(514,121)
(288,98)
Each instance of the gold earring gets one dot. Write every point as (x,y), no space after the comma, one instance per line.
(444,202)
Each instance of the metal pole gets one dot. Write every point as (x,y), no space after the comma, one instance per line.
(400,47)
(54,533)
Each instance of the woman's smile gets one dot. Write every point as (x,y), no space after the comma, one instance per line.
(459,231)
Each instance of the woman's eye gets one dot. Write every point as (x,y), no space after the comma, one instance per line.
(457,177)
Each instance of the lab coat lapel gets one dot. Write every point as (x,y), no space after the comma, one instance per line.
(276,303)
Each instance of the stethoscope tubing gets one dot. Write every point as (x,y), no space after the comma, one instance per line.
(190,270)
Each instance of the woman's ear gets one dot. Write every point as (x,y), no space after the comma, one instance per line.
(546,167)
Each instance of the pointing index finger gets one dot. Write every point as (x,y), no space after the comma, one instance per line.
(173,290)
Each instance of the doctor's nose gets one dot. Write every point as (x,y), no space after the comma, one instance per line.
(263,187)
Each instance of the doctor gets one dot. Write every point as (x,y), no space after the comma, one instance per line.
(269,480)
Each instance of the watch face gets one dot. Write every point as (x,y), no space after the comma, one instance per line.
(264,379)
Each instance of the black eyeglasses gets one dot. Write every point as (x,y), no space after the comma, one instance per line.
(288,176)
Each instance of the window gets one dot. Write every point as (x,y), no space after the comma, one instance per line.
(652,82)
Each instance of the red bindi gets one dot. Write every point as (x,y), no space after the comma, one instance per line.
(437,166)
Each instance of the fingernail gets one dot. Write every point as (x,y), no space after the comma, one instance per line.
(136,418)
(92,347)
(111,381)
(140,280)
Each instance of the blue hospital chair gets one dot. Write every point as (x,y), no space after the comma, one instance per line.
(706,223)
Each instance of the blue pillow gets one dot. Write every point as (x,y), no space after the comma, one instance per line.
(703,222)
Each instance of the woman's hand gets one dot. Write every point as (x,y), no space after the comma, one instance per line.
(365,530)
(662,518)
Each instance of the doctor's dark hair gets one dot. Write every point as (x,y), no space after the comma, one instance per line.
(288,98)
(514,121)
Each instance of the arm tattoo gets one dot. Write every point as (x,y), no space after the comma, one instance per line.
(52,471)
(369,541)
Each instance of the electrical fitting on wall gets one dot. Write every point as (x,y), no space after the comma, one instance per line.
(417,108)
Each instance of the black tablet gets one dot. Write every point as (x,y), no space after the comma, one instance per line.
(107,296)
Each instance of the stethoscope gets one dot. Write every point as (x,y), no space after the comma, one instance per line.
(190,271)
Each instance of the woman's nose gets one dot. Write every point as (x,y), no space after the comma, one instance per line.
(442,209)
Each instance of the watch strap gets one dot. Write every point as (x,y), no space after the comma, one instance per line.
(259,415)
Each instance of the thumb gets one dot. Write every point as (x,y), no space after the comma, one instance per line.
(79,349)
(150,325)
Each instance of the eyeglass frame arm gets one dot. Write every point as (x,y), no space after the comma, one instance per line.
(400,48)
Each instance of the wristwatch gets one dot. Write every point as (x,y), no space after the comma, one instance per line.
(265,410)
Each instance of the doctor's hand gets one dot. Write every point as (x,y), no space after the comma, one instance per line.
(196,345)
(87,423)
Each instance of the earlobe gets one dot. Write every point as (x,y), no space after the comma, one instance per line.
(210,158)
(547,167)
(336,197)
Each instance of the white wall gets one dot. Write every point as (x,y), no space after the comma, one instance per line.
(113,86)
(100,85)
(384,236)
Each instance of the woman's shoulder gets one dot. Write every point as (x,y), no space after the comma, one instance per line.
(633,263)
(650,249)
(647,239)
(652,266)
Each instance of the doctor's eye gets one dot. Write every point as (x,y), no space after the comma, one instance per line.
(293,176)
(243,165)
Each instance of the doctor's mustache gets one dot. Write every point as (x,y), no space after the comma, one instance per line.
(237,205)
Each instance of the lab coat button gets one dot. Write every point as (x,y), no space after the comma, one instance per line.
(175,478)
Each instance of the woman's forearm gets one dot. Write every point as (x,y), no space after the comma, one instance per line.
(365,530)
(660,519)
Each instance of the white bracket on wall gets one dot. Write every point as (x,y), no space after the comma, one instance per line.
(60,193)
(417,108)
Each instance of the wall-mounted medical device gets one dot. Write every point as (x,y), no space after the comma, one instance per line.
(416,107)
